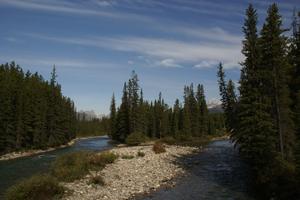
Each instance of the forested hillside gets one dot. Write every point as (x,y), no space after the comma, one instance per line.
(33,112)
(264,119)
(156,119)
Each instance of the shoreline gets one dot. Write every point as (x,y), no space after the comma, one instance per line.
(26,153)
(129,177)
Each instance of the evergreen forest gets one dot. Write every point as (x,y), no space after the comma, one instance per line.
(263,119)
(155,119)
(33,112)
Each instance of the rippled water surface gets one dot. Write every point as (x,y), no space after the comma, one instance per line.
(14,170)
(215,174)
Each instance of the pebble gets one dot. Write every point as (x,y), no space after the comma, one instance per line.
(128,177)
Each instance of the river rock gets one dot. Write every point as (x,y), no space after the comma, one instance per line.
(128,177)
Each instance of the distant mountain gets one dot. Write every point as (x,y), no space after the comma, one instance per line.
(214,106)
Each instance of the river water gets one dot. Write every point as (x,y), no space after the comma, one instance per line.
(12,171)
(217,173)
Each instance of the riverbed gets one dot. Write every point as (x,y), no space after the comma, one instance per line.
(12,171)
(216,173)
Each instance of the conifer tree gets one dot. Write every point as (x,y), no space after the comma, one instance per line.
(175,118)
(193,110)
(113,117)
(142,113)
(228,99)
(274,62)
(133,100)
(123,119)
(25,105)
(202,111)
(222,86)
(231,107)
(295,84)
(255,131)
(186,117)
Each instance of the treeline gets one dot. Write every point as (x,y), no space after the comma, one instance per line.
(92,127)
(156,119)
(33,112)
(265,119)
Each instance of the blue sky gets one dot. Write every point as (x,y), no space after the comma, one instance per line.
(95,44)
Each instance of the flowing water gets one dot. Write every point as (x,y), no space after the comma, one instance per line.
(217,173)
(12,171)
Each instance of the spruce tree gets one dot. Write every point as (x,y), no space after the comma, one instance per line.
(231,107)
(123,119)
(222,86)
(175,118)
(193,111)
(275,63)
(186,117)
(255,130)
(202,111)
(294,55)
(142,113)
(24,107)
(113,117)
(133,100)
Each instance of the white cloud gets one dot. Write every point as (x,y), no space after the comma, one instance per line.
(103,3)
(211,34)
(10,39)
(181,51)
(130,62)
(206,64)
(60,63)
(169,62)
(72,8)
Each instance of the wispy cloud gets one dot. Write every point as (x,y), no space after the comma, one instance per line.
(206,64)
(72,8)
(10,39)
(179,50)
(215,34)
(199,7)
(59,62)
(169,62)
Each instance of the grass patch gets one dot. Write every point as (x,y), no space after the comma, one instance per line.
(127,156)
(140,154)
(187,141)
(37,187)
(97,180)
(135,138)
(76,165)
(158,148)
(100,160)
(71,166)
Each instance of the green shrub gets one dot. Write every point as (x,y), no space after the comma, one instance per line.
(97,180)
(35,188)
(140,154)
(127,156)
(158,148)
(71,166)
(102,159)
(76,165)
(135,138)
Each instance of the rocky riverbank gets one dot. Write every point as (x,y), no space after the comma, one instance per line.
(19,154)
(131,174)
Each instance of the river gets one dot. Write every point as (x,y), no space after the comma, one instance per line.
(12,171)
(217,173)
